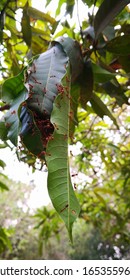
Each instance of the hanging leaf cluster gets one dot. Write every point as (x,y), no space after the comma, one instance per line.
(42,100)
(40,113)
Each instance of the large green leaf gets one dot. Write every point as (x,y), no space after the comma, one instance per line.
(73,51)
(26,28)
(59,182)
(101,109)
(44,76)
(33,116)
(106,13)
(43,79)
(36,14)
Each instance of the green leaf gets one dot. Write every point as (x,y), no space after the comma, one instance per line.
(101,75)
(60,3)
(2,145)
(36,14)
(26,28)
(3,130)
(106,13)
(70,7)
(13,92)
(86,83)
(11,117)
(59,183)
(38,44)
(43,78)
(73,51)
(103,190)
(116,91)
(48,2)
(12,87)
(2,163)
(101,109)
(30,134)
(3,187)
(4,239)
(101,199)
(125,62)
(89,32)
(119,45)
(38,32)
(92,2)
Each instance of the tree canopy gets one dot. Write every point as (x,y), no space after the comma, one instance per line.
(66,82)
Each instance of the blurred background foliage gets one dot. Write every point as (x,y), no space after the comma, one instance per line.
(100,153)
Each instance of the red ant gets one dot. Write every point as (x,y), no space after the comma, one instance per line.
(73,175)
(43,153)
(24,104)
(67,79)
(64,208)
(8,125)
(65,137)
(13,112)
(71,115)
(55,126)
(36,82)
(44,90)
(30,86)
(60,88)
(37,101)
(34,68)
